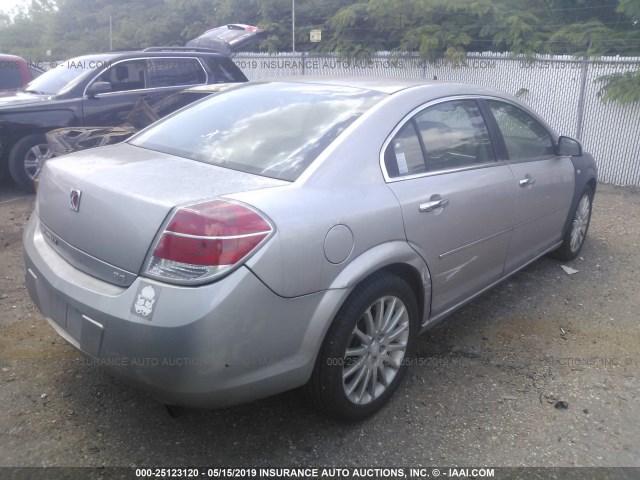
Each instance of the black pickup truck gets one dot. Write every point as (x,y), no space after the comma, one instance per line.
(97,90)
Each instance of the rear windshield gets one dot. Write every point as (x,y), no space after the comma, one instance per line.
(274,129)
(224,70)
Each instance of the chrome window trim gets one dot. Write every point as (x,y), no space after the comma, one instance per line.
(534,159)
(84,93)
(437,101)
(445,172)
(407,118)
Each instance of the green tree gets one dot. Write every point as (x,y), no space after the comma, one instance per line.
(26,33)
(435,29)
(625,87)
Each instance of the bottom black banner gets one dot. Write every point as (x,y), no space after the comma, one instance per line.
(370,473)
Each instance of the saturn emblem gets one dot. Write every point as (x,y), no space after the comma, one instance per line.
(74,199)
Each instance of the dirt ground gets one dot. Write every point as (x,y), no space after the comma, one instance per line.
(484,389)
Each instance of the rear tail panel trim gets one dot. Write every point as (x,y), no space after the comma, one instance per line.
(85,262)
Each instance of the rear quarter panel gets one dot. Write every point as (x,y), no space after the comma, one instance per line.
(294,261)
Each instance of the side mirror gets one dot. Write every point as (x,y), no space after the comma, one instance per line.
(568,147)
(98,87)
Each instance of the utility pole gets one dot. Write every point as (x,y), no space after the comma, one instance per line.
(293,26)
(110,34)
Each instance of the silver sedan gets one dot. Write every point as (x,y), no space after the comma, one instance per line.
(284,234)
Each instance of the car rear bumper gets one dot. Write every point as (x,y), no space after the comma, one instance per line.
(225,343)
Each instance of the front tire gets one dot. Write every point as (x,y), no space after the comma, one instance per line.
(27,158)
(364,355)
(576,234)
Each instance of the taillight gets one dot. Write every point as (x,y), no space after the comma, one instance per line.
(205,240)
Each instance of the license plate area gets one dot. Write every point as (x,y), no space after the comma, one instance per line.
(86,332)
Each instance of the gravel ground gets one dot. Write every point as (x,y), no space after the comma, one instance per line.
(484,389)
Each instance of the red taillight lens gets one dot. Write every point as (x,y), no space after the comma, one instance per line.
(205,240)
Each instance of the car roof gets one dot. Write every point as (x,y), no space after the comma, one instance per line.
(389,85)
(155,53)
(395,85)
(210,88)
(8,57)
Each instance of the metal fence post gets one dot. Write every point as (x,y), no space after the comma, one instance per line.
(583,87)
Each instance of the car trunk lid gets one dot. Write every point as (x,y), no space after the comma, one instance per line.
(109,203)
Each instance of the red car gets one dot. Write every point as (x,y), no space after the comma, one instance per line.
(15,72)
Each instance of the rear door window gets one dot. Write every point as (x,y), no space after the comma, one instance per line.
(223,70)
(454,135)
(445,136)
(173,72)
(404,154)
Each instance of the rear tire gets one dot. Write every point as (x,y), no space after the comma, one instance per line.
(27,158)
(577,233)
(364,355)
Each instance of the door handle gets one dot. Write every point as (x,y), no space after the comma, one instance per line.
(433,204)
(527,180)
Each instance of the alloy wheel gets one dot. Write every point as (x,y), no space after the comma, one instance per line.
(35,158)
(376,350)
(580,223)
